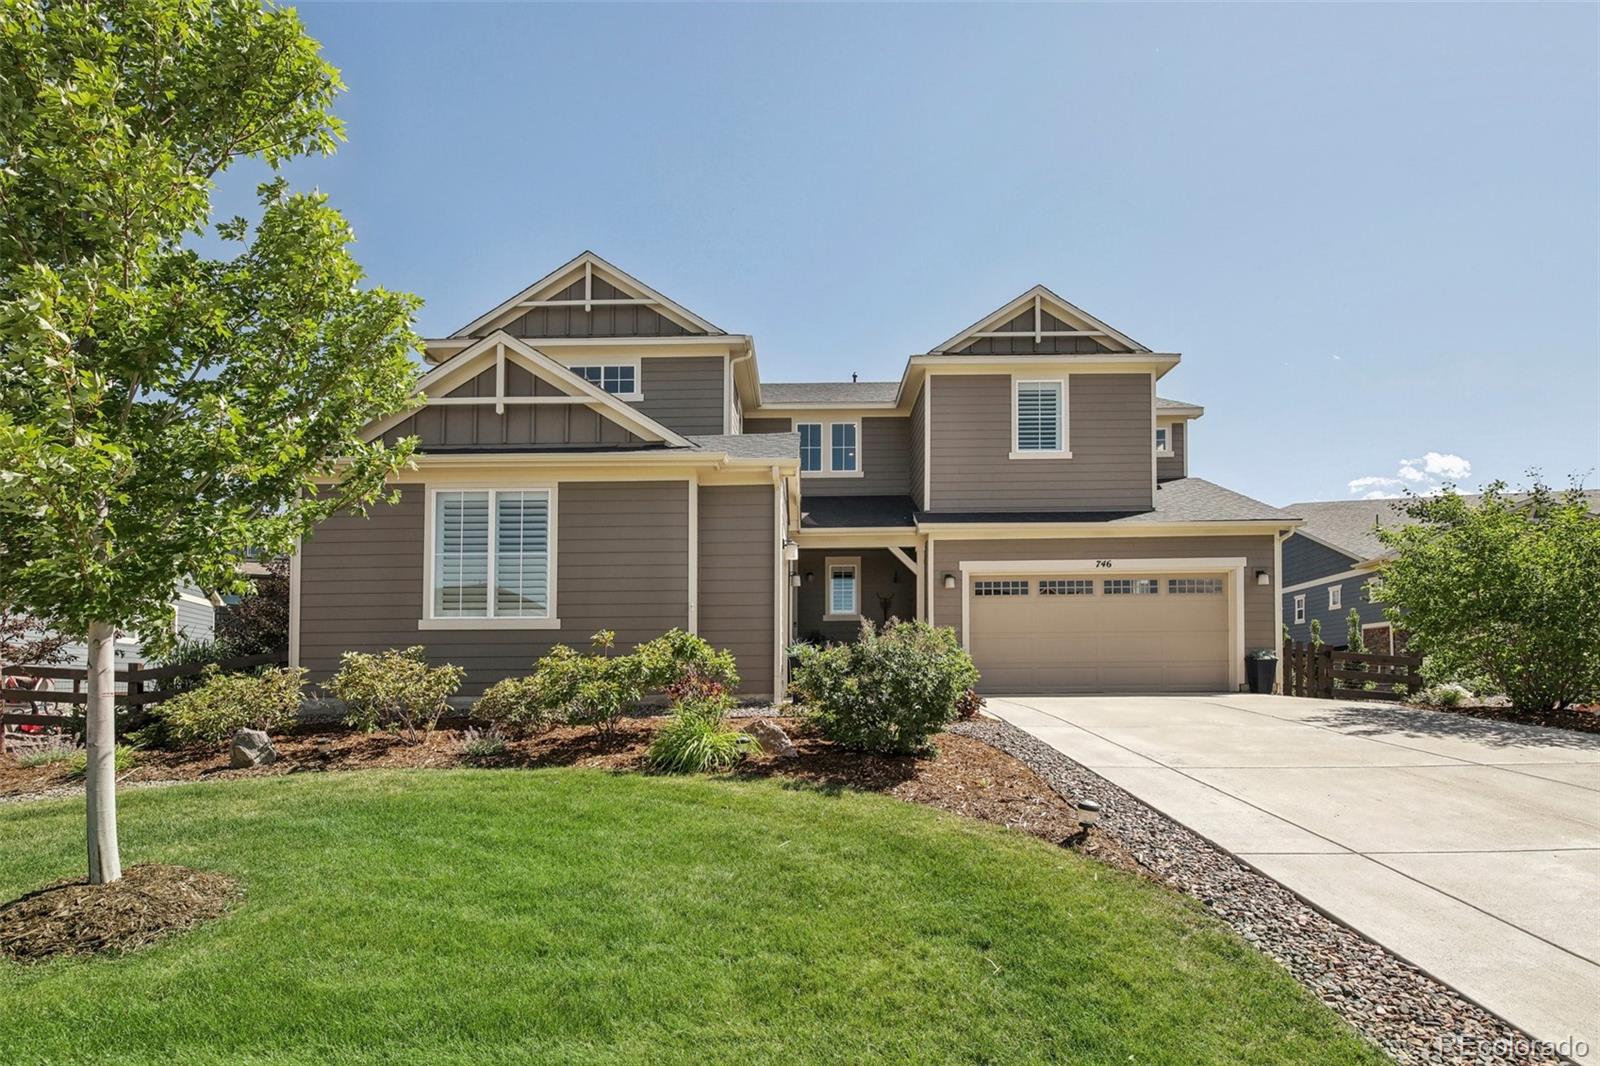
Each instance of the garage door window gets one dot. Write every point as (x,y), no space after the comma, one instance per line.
(1000,588)
(1067,587)
(1132,586)
(1194,586)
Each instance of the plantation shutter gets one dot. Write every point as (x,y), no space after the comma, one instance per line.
(461,555)
(842,590)
(1039,416)
(522,554)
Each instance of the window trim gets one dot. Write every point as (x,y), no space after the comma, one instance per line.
(638,374)
(1064,451)
(1299,607)
(1167,452)
(551,620)
(822,447)
(1335,597)
(828,564)
(827,446)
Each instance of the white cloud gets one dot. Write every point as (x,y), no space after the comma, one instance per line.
(1426,476)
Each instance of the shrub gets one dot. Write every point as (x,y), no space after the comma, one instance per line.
(56,750)
(395,690)
(888,692)
(1448,695)
(184,650)
(692,743)
(519,704)
(1355,638)
(968,704)
(223,704)
(124,759)
(676,655)
(483,744)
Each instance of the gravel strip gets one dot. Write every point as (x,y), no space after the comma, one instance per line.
(1404,1011)
(68,791)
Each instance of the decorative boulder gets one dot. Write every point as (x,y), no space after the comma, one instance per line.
(251,747)
(772,738)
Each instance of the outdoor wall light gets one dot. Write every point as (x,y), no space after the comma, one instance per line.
(809,576)
(949,581)
(1088,813)
(791,551)
(794,579)
(1263,578)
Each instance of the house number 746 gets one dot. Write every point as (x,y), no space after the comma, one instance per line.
(1103,564)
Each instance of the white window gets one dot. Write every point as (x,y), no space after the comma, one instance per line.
(1132,586)
(843,453)
(492,555)
(619,379)
(810,447)
(1335,597)
(1194,586)
(999,588)
(1300,608)
(1039,419)
(843,591)
(830,449)
(1163,440)
(1074,586)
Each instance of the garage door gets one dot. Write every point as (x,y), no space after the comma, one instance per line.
(1129,633)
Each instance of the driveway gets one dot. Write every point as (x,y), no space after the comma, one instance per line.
(1470,848)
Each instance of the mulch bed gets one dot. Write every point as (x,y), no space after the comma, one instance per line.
(1582,719)
(149,902)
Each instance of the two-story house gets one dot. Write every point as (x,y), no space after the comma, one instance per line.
(593,455)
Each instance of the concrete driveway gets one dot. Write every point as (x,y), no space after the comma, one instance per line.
(1469,847)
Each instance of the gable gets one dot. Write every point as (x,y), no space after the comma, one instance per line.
(1038,323)
(501,392)
(1306,559)
(588,297)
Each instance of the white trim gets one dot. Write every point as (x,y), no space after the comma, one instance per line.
(841,561)
(1035,295)
(931,575)
(560,278)
(1336,597)
(1343,575)
(1155,473)
(779,571)
(910,563)
(605,361)
(1167,452)
(927,442)
(294,602)
(1063,449)
(1115,528)
(922,579)
(1277,602)
(828,470)
(1234,566)
(550,619)
(694,556)
(1299,605)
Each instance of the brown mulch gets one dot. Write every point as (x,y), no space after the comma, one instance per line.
(1582,719)
(75,918)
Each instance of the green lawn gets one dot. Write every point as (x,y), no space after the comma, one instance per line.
(575,916)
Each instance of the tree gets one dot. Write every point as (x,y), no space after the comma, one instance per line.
(1354,639)
(258,623)
(161,411)
(29,641)
(1506,587)
(1316,632)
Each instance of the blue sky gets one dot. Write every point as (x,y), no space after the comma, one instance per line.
(1372,231)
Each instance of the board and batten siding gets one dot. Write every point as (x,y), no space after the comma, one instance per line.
(685,394)
(626,320)
(1172,466)
(885,456)
(738,561)
(918,427)
(621,564)
(1108,435)
(533,425)
(1256,550)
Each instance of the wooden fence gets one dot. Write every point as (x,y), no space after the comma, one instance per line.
(55,706)
(1323,672)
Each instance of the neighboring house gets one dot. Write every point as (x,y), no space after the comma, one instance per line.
(1332,562)
(594,455)
(193,617)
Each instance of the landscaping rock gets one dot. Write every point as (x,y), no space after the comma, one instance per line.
(251,747)
(772,738)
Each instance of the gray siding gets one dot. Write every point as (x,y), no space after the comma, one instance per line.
(630,321)
(1335,624)
(1306,560)
(534,425)
(885,457)
(1169,467)
(684,394)
(1108,435)
(768,425)
(1023,343)
(881,575)
(1259,631)
(621,563)
(196,621)
(919,418)
(738,561)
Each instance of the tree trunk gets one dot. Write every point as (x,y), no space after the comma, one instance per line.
(100,737)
